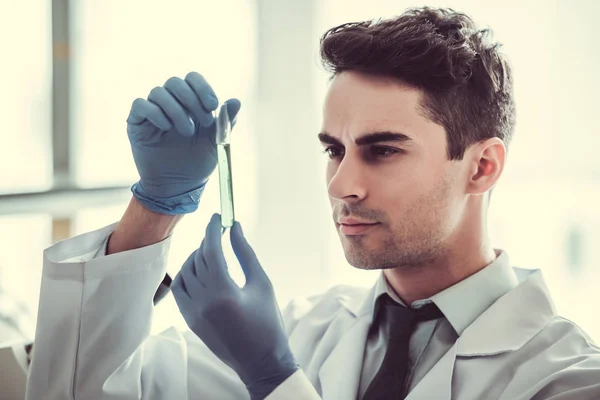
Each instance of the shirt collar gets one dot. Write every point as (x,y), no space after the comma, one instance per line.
(465,301)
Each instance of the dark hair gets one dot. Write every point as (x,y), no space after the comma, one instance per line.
(466,81)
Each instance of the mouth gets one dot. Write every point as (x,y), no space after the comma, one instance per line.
(355,229)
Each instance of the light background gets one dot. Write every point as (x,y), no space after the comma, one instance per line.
(544,211)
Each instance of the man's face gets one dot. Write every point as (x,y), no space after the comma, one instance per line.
(401,180)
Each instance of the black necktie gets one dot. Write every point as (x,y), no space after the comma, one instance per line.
(388,383)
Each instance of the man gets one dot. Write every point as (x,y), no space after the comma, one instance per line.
(416,124)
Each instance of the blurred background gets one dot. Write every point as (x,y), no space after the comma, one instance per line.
(71,70)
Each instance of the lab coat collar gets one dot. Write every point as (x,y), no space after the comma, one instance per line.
(513,320)
(468,299)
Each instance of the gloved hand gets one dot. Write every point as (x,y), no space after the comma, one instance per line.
(172,136)
(243,327)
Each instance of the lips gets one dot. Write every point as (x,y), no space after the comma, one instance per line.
(354,221)
(352,228)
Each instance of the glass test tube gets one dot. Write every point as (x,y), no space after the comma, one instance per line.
(223,127)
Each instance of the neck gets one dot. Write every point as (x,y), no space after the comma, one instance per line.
(463,256)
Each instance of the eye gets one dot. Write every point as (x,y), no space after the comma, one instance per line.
(332,152)
(383,152)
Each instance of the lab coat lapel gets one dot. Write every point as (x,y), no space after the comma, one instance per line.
(437,384)
(341,372)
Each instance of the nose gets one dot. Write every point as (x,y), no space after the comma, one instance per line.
(346,181)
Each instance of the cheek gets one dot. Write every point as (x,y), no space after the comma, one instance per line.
(406,194)
(403,183)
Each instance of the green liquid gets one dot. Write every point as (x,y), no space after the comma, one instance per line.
(225,185)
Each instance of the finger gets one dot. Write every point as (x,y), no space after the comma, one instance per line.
(142,110)
(182,299)
(203,90)
(213,252)
(193,283)
(233,107)
(245,254)
(200,268)
(145,131)
(171,107)
(182,91)
(178,288)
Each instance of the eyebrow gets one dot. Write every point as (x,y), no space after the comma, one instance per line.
(369,138)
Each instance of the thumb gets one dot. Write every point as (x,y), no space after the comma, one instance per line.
(246,256)
(233,107)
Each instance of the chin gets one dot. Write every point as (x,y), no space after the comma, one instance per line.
(364,266)
(359,261)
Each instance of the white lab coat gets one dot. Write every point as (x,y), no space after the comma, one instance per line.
(92,341)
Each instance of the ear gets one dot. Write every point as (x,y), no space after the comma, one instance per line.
(486,165)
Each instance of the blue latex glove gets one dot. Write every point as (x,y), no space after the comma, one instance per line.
(172,136)
(243,327)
